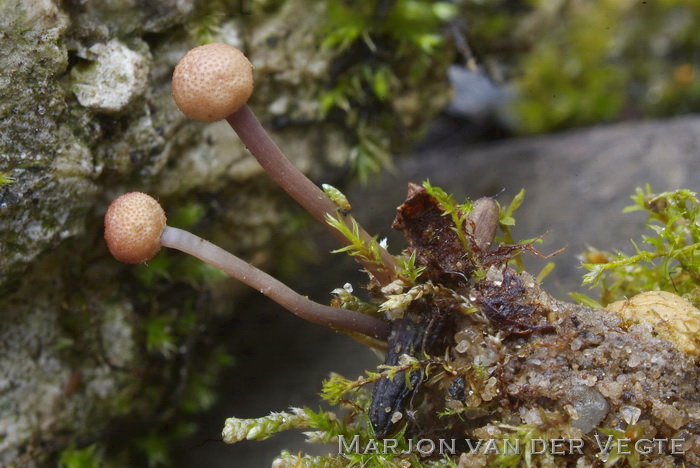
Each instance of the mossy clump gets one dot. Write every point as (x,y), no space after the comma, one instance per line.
(484,368)
(382,51)
(665,260)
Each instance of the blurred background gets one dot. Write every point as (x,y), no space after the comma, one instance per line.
(102,364)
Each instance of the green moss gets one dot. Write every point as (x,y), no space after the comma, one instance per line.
(155,446)
(580,63)
(407,269)
(6,179)
(385,49)
(621,443)
(88,457)
(368,251)
(670,260)
(597,61)
(458,212)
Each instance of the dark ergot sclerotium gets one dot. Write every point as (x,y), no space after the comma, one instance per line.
(422,330)
(418,332)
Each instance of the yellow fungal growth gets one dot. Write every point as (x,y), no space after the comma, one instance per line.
(134,223)
(212,82)
(673,318)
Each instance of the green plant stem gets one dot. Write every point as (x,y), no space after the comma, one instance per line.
(598,269)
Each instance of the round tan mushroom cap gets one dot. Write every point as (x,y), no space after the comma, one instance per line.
(212,82)
(133,225)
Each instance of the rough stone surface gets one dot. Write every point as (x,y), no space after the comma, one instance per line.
(594,371)
(86,115)
(115,76)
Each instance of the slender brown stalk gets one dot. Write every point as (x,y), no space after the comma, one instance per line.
(333,317)
(297,185)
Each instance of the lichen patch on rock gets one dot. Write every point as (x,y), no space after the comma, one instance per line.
(114,77)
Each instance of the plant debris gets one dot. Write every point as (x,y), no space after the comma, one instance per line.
(489,370)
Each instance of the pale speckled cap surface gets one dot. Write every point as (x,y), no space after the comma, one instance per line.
(134,223)
(212,81)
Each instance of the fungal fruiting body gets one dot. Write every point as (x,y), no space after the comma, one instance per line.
(135,230)
(213,82)
(133,225)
